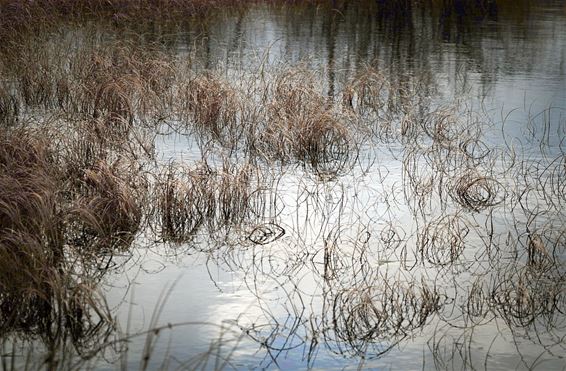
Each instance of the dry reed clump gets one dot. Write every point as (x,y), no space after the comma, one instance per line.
(234,186)
(370,97)
(82,149)
(546,249)
(325,145)
(303,124)
(92,97)
(122,84)
(39,291)
(443,127)
(392,110)
(29,186)
(452,135)
(387,313)
(210,103)
(107,211)
(367,93)
(522,297)
(114,84)
(188,198)
(284,118)
(9,108)
(185,201)
(33,74)
(475,192)
(77,146)
(443,240)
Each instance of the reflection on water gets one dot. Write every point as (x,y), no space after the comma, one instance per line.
(508,51)
(331,188)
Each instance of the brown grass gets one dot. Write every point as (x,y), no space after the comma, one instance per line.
(443,240)
(41,295)
(365,316)
(190,197)
(108,210)
(185,201)
(303,124)
(9,108)
(209,103)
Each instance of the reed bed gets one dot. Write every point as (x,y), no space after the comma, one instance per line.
(112,84)
(284,119)
(96,197)
(72,195)
(41,294)
(191,197)
(443,240)
(475,192)
(120,90)
(373,317)
(81,182)
(301,123)
(211,104)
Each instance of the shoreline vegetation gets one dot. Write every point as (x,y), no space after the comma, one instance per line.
(81,183)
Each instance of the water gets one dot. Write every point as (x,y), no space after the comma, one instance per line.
(284,293)
(386,266)
(291,303)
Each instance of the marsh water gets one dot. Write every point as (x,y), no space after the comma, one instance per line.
(416,254)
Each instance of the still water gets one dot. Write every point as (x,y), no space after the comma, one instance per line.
(384,266)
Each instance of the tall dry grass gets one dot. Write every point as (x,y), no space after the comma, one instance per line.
(285,118)
(188,198)
(41,294)
(302,123)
